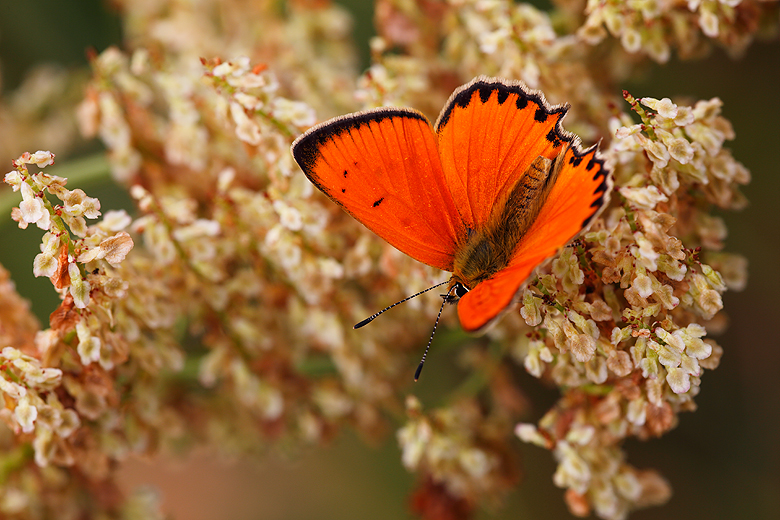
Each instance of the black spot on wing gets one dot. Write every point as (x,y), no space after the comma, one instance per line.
(345,174)
(343,190)
(540,115)
(553,138)
(521,102)
(378,202)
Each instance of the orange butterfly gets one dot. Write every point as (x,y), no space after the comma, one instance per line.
(495,188)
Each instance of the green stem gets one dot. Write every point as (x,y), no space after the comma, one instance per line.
(283,129)
(14,459)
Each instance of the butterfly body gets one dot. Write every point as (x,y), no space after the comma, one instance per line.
(489,192)
(489,250)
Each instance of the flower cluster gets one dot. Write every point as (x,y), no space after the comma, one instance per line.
(655,28)
(61,253)
(222,312)
(57,380)
(638,336)
(459,449)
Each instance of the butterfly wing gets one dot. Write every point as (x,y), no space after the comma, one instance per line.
(489,132)
(383,168)
(581,190)
(489,300)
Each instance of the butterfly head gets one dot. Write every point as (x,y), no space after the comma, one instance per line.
(456,292)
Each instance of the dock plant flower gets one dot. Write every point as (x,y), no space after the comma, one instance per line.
(220,310)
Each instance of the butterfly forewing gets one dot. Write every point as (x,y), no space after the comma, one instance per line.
(489,133)
(383,168)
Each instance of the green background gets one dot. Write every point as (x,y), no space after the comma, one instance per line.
(723,461)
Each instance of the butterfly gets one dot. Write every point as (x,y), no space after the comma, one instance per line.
(491,191)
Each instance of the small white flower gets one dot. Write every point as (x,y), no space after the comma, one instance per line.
(11,389)
(583,346)
(490,41)
(330,268)
(115,220)
(680,150)
(531,309)
(198,229)
(14,179)
(91,207)
(32,207)
(708,21)
(645,198)
(674,339)
(679,380)
(45,264)
(298,113)
(26,414)
(636,412)
(527,432)
(475,462)
(631,40)
(706,136)
(533,364)
(664,107)
(414,438)
(684,116)
(247,101)
(225,178)
(79,288)
(246,129)
(643,285)
(42,158)
(289,217)
(115,248)
(645,253)
(77,225)
(627,131)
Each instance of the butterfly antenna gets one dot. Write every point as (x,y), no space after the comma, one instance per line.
(430,340)
(371,318)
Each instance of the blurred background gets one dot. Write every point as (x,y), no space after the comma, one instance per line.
(723,461)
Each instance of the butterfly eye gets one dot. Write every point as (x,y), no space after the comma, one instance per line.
(457,292)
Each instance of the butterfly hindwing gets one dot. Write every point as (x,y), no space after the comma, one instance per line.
(489,133)
(581,190)
(488,300)
(382,167)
